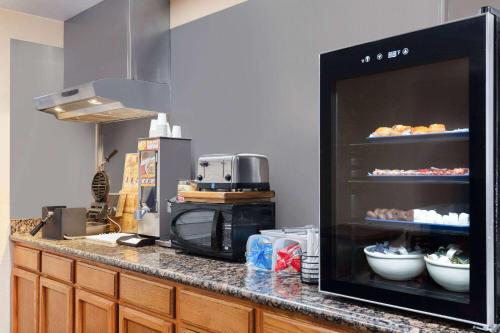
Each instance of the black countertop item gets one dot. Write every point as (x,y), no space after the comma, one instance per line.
(234,279)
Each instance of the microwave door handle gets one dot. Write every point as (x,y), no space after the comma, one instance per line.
(216,231)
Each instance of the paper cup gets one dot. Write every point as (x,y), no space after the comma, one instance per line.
(176,131)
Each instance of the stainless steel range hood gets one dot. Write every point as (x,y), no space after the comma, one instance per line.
(116,63)
(105,100)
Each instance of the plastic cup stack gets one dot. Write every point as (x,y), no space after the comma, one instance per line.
(153,128)
(162,126)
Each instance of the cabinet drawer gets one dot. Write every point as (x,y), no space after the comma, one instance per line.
(273,323)
(97,279)
(27,258)
(214,314)
(149,295)
(57,267)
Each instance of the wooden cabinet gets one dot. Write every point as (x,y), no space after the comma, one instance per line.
(184,329)
(24,301)
(152,296)
(27,258)
(273,323)
(63,294)
(215,314)
(97,279)
(94,314)
(133,321)
(56,307)
(57,267)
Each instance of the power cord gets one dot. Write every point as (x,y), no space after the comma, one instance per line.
(113,221)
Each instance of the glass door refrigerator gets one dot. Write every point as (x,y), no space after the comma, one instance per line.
(408,171)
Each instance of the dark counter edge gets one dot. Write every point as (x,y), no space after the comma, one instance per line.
(334,315)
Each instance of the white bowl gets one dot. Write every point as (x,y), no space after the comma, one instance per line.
(395,267)
(454,277)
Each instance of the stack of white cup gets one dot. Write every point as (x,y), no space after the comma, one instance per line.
(160,127)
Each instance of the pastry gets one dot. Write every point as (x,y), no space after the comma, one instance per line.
(419,130)
(463,219)
(390,214)
(402,129)
(383,131)
(437,128)
(395,132)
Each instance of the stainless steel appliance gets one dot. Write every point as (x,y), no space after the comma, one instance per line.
(233,172)
(409,171)
(162,161)
(108,82)
(59,221)
(105,101)
(218,230)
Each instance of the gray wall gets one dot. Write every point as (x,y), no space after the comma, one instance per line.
(455,9)
(246,80)
(52,162)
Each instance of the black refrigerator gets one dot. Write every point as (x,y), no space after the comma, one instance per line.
(409,171)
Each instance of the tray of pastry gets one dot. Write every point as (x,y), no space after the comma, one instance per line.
(404,133)
(419,178)
(432,173)
(421,218)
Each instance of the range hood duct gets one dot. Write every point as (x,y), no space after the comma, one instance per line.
(116,63)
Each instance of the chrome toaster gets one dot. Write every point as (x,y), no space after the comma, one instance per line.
(233,172)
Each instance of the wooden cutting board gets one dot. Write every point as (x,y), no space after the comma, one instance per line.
(227,197)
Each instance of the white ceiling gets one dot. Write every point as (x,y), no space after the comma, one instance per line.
(55,9)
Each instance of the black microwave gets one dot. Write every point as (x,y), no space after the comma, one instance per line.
(218,230)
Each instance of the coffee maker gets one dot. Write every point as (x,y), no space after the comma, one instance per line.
(162,162)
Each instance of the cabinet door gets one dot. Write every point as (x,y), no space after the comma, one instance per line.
(94,314)
(56,307)
(133,321)
(24,301)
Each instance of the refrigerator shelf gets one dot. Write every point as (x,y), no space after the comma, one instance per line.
(444,136)
(422,226)
(421,285)
(412,179)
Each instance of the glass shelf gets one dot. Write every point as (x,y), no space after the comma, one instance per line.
(412,179)
(420,226)
(420,286)
(444,136)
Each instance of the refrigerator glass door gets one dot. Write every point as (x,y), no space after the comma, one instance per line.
(403,171)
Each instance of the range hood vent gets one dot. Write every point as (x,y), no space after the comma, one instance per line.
(116,63)
(105,101)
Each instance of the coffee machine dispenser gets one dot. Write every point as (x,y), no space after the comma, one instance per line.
(162,162)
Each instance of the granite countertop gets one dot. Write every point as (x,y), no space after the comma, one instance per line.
(284,292)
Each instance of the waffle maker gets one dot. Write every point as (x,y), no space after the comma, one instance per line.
(98,210)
